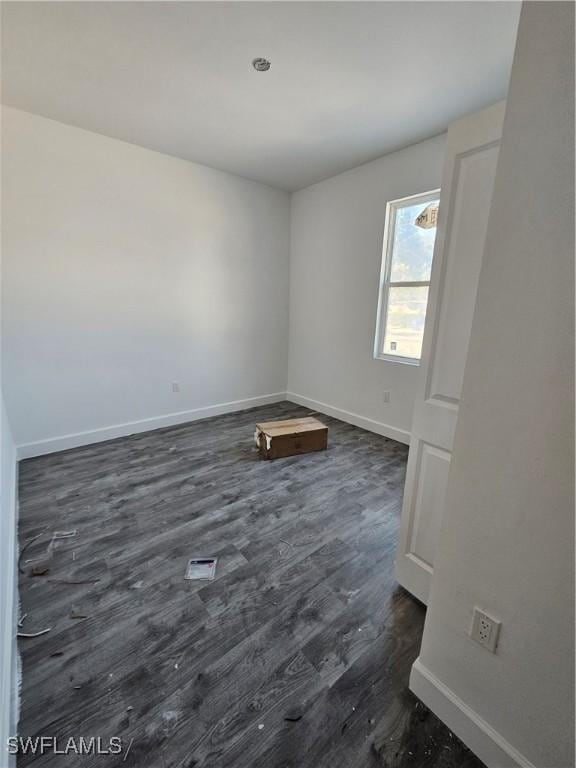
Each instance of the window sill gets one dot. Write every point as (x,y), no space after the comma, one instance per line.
(398,359)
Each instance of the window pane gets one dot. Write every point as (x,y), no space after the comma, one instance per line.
(413,246)
(406,314)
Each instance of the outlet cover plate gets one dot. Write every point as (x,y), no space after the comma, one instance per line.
(485,630)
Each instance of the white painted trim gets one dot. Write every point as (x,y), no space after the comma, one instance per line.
(9,682)
(394,433)
(397,359)
(385,283)
(490,746)
(64,442)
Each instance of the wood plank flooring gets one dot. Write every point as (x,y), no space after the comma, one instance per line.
(296,656)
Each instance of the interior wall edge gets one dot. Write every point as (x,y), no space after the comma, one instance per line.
(101,434)
(489,745)
(379,427)
(9,666)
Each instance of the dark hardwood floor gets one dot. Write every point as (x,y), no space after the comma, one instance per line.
(296,656)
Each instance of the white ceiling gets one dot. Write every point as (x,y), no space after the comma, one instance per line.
(349,81)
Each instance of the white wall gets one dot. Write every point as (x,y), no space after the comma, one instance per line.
(336,252)
(507,543)
(126,270)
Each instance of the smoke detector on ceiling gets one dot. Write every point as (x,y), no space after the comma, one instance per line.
(261,65)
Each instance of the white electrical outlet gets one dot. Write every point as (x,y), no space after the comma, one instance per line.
(175,386)
(485,630)
(386,396)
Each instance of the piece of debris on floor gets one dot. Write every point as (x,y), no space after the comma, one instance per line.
(63,534)
(203,568)
(39,571)
(44,558)
(30,634)
(34,634)
(293,718)
(26,546)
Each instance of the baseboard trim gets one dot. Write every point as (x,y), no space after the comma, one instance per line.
(473,730)
(64,442)
(401,435)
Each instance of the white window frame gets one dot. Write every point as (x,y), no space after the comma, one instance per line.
(385,283)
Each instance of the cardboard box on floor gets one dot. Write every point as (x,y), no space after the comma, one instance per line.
(289,437)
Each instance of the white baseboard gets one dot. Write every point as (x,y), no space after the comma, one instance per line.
(64,442)
(474,731)
(401,435)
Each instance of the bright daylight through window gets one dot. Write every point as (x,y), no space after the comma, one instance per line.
(409,237)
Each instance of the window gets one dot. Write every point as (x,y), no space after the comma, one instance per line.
(409,236)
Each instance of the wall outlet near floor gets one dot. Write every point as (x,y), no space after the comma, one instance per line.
(386,396)
(175,386)
(485,630)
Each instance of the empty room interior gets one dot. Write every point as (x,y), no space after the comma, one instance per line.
(287,370)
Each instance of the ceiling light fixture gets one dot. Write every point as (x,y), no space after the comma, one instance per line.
(261,65)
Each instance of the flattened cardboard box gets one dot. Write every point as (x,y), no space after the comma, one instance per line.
(289,437)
